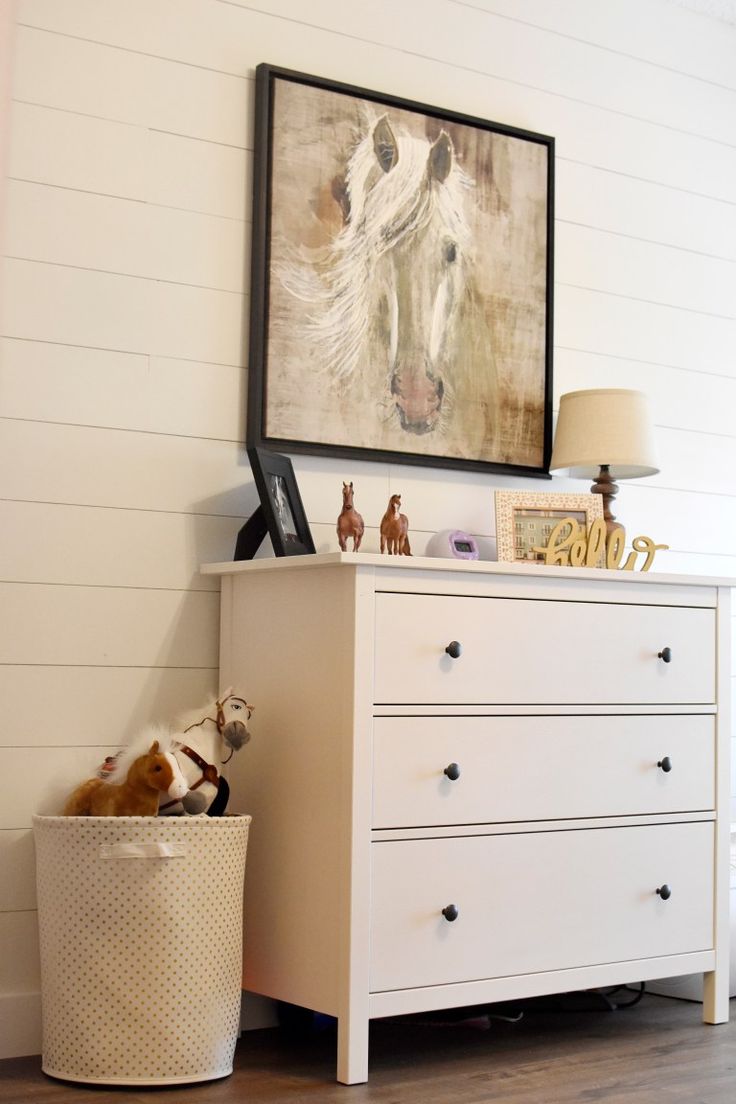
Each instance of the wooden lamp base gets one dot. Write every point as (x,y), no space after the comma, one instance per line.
(606,487)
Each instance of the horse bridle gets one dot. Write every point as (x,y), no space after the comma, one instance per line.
(219,722)
(209,770)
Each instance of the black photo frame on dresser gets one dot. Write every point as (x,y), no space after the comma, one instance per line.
(281,512)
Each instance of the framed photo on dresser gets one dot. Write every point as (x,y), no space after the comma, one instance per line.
(525,520)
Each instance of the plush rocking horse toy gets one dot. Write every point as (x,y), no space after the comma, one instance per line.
(205,739)
(134,787)
(202,741)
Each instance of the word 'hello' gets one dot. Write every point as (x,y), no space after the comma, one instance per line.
(575,549)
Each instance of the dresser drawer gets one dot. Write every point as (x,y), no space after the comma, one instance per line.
(540,652)
(537,901)
(538,768)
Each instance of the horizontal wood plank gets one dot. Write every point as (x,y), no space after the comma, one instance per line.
(102,310)
(21,970)
(644,271)
(109,627)
(471,38)
(52,773)
(20,1027)
(81,545)
(146,26)
(94,705)
(61,226)
(18,864)
(71,150)
(592,321)
(687,466)
(48,382)
(102,467)
(680,398)
(657,212)
(75,75)
(694,44)
(690,49)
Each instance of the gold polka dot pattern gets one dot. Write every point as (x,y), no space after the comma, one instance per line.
(141,924)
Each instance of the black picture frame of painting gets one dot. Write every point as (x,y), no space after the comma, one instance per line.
(281,512)
(471,391)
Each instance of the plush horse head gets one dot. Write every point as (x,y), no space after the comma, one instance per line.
(201,741)
(145,779)
(231,715)
(205,740)
(159,771)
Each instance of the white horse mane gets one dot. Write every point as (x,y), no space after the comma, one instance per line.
(385,209)
(140,746)
(167,736)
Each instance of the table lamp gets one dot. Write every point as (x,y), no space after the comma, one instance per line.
(604,435)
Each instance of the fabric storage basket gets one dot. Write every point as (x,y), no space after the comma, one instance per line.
(140,922)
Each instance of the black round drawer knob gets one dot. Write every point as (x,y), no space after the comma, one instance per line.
(664,892)
(454,649)
(451,912)
(452,770)
(665,655)
(665,764)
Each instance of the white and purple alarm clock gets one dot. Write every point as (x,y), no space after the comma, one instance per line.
(454,544)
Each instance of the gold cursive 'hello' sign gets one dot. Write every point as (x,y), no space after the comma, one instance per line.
(569,546)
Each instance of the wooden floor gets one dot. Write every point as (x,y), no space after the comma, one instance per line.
(657,1051)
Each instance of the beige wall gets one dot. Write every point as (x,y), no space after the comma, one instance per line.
(123,375)
(7,41)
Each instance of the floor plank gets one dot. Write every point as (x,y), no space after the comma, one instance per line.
(656,1051)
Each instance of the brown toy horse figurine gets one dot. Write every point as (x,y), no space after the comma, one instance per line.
(395,529)
(148,777)
(349,523)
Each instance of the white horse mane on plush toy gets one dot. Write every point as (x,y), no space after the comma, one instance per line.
(202,741)
(120,765)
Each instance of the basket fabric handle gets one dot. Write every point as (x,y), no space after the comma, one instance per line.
(156,849)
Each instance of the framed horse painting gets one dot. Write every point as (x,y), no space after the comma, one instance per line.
(402,269)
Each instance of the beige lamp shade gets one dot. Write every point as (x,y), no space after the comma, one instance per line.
(609,426)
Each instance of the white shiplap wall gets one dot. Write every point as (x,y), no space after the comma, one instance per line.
(124,298)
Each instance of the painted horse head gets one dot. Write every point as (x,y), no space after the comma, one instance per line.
(396,272)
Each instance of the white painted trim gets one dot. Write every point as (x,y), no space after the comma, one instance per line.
(401,1001)
(459,567)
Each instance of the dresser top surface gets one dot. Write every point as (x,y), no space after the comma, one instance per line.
(461,567)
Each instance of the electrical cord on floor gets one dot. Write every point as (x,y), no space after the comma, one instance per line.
(591,1000)
(638,994)
(483,1016)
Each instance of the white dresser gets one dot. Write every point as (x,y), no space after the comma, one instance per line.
(477,782)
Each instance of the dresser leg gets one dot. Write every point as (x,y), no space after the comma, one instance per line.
(715,997)
(352,1051)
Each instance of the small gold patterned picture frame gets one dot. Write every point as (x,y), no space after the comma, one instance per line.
(525,519)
